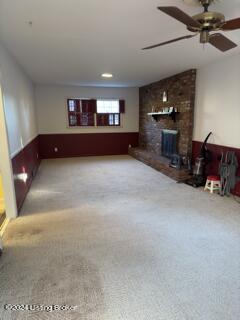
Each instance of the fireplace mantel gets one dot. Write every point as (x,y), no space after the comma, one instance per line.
(171,114)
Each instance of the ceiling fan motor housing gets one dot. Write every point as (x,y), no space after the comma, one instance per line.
(209,21)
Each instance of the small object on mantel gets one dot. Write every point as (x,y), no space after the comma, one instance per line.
(172,112)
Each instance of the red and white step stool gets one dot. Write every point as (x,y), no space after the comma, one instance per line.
(213,183)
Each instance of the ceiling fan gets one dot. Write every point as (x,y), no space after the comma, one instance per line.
(203,24)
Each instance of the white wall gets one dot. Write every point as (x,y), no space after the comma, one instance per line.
(52,109)
(217,106)
(6,166)
(18,96)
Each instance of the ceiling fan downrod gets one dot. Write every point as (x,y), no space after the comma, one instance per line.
(205,4)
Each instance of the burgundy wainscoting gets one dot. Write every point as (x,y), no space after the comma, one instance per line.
(86,144)
(216,150)
(25,165)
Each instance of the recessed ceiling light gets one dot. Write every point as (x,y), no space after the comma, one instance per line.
(107,75)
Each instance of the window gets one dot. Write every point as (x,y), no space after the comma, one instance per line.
(81,112)
(108,113)
(91,112)
(114,119)
(71,105)
(108,106)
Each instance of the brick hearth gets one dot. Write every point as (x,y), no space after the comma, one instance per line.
(159,163)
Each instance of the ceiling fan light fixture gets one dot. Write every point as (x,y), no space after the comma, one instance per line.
(204,37)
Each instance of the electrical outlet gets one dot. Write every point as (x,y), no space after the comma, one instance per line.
(56,149)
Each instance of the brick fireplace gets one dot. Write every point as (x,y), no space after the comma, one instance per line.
(180,91)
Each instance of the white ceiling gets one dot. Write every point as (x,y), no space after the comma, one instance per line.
(75,41)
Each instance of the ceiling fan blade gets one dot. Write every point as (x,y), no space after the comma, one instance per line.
(181,16)
(232,24)
(170,41)
(220,42)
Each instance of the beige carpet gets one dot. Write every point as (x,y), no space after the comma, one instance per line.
(121,242)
